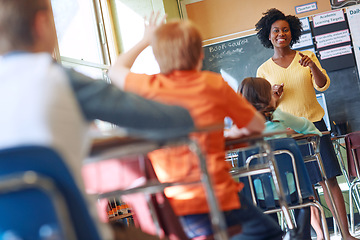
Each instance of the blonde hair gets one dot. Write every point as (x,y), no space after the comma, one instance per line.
(16,23)
(177,45)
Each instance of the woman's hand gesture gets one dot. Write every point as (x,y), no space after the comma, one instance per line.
(305,61)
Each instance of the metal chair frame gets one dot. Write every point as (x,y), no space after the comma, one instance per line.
(141,148)
(353,191)
(21,181)
(313,141)
(33,174)
(269,167)
(301,204)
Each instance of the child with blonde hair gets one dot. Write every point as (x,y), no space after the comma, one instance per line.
(177,46)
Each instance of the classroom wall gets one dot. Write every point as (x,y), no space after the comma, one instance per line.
(217,18)
(171,9)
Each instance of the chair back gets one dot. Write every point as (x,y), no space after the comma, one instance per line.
(352,142)
(30,212)
(284,149)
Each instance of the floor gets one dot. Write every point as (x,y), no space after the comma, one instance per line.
(338,237)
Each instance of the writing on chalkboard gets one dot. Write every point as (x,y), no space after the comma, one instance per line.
(223,46)
(222,50)
(235,59)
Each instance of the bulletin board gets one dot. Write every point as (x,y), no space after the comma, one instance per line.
(332,40)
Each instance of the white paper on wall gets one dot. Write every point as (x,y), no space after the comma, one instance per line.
(332,38)
(304,41)
(353,15)
(328,18)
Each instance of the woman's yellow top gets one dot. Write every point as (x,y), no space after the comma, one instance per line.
(299,97)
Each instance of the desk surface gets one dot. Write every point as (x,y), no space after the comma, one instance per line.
(115,138)
(108,142)
(337,137)
(299,136)
(231,143)
(100,144)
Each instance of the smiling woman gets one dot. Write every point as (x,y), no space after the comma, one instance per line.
(263,28)
(297,75)
(280,33)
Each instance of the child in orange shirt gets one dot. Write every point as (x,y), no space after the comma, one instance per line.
(177,47)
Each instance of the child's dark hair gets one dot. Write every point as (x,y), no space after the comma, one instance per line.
(258,92)
(263,26)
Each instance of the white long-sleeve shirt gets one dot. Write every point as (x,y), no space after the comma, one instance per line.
(42,103)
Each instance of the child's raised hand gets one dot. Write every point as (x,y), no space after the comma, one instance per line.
(151,24)
(305,61)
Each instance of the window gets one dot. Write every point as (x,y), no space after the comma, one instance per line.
(91,33)
(81,39)
(129,20)
(78,36)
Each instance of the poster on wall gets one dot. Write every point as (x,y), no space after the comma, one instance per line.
(308,7)
(335,52)
(306,38)
(327,18)
(353,15)
(332,40)
(305,24)
(304,41)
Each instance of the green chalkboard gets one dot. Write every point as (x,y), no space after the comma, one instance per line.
(237,58)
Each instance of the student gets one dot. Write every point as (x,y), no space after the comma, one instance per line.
(259,93)
(295,76)
(177,47)
(44,104)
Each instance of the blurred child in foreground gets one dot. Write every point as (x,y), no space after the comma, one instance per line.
(44,104)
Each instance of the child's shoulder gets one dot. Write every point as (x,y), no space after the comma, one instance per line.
(211,74)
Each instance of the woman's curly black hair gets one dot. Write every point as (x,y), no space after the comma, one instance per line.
(263,26)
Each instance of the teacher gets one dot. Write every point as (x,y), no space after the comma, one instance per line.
(294,76)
